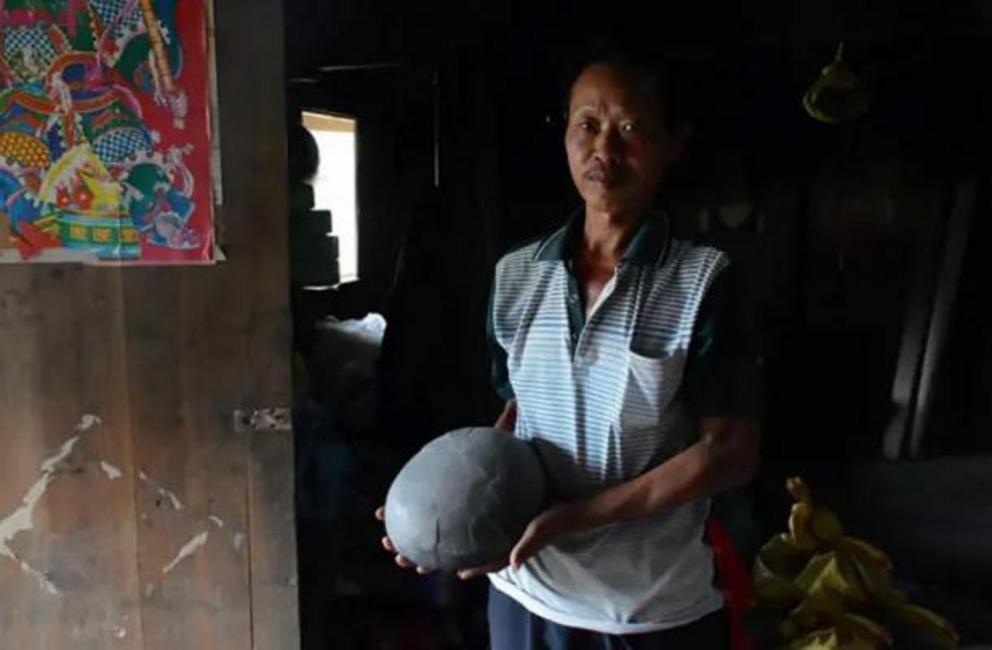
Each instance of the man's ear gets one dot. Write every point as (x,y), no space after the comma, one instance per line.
(677,141)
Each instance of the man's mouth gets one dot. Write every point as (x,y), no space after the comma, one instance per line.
(606,175)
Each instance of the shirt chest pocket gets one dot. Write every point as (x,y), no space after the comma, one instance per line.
(651,385)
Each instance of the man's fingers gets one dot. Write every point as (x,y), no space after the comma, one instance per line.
(519,555)
(468,574)
(529,542)
(523,550)
(403,562)
(380,514)
(474,572)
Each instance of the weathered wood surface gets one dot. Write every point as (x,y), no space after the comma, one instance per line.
(68,560)
(153,524)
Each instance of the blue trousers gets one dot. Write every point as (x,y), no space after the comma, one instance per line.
(512,627)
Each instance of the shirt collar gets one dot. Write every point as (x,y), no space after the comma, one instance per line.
(648,246)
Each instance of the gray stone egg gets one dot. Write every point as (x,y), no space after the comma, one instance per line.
(464,499)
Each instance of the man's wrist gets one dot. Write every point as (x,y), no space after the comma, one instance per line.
(607,507)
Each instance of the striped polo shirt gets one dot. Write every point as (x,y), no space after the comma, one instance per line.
(601,402)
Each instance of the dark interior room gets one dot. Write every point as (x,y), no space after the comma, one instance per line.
(503,325)
(860,241)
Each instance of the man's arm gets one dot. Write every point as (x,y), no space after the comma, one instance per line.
(499,374)
(719,390)
(725,457)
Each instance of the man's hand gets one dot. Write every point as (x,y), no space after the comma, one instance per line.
(405,563)
(468,574)
(387,544)
(725,457)
(556,522)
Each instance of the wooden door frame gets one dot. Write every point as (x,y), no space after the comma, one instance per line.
(251,84)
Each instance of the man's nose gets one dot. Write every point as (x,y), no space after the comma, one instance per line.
(608,143)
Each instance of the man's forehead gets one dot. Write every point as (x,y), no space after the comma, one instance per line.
(603,82)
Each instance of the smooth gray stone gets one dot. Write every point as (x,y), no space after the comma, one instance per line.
(465,499)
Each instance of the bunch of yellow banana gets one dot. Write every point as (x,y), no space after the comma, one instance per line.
(838,575)
(821,620)
(815,575)
(810,527)
(830,639)
(830,586)
(928,625)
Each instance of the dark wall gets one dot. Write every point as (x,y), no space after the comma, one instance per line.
(839,222)
(962,409)
(840,214)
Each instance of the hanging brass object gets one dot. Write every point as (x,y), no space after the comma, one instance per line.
(838,95)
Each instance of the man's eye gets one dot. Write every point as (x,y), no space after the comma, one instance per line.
(630,127)
(587,125)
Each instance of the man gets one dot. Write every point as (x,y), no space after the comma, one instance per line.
(620,357)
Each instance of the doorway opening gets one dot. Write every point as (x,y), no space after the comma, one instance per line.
(335,183)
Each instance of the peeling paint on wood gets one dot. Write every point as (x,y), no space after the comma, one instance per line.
(22,519)
(191,547)
(112,472)
(162,492)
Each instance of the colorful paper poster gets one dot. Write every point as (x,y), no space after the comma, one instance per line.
(104,131)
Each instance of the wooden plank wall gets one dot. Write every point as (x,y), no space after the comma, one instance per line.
(62,358)
(253,123)
(157,525)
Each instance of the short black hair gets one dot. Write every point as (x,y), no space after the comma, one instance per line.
(631,58)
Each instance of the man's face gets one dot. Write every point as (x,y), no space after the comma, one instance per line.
(617,144)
